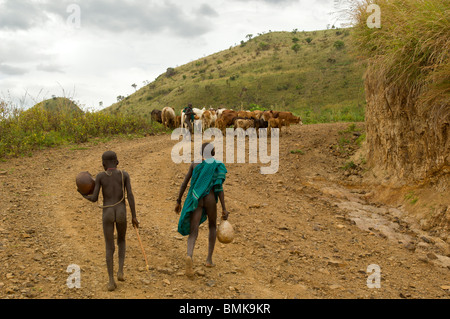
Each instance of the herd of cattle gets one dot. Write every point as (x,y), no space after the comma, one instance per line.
(225,118)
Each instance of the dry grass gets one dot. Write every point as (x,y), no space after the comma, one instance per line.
(410,50)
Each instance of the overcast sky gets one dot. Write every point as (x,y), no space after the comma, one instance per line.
(94,50)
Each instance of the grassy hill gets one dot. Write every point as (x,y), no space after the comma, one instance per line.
(59,104)
(312,74)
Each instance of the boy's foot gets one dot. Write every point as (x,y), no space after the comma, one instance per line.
(112,286)
(210,264)
(120,276)
(189,268)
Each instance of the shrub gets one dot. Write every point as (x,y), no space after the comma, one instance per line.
(339,44)
(295,47)
(22,131)
(264,46)
(170,72)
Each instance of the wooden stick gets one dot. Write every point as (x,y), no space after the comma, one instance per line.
(142,247)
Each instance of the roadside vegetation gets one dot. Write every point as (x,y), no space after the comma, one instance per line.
(59,122)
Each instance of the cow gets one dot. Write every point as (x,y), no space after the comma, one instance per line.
(220,111)
(228,116)
(289,118)
(243,123)
(178,121)
(213,117)
(243,114)
(257,114)
(156,116)
(168,117)
(260,123)
(207,119)
(267,115)
(199,112)
(220,124)
(275,123)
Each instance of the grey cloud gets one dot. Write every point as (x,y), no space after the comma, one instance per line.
(12,70)
(109,15)
(206,10)
(17,50)
(20,14)
(50,68)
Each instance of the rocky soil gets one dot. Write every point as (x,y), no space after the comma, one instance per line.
(309,231)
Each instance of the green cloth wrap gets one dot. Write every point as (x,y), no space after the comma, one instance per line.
(191,114)
(206,175)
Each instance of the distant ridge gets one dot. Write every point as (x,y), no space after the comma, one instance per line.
(312,74)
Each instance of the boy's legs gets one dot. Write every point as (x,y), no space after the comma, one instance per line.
(108,232)
(121,226)
(211,210)
(195,220)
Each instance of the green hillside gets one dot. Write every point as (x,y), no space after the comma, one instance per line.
(59,104)
(312,74)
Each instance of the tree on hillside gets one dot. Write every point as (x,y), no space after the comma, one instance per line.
(134,85)
(339,44)
(170,72)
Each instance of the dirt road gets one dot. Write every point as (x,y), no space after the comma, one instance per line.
(308,231)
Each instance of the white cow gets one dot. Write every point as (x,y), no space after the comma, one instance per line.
(168,117)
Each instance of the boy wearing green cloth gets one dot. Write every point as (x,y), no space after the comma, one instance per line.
(201,201)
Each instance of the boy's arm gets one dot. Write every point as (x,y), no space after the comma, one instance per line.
(183,187)
(94,196)
(131,201)
(225,213)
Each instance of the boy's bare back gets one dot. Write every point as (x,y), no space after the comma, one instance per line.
(115,184)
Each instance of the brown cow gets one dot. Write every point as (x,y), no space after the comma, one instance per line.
(156,116)
(178,121)
(267,115)
(257,114)
(246,114)
(275,123)
(220,124)
(206,120)
(243,123)
(227,117)
(289,118)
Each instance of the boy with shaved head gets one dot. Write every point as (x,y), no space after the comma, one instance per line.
(204,193)
(115,184)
